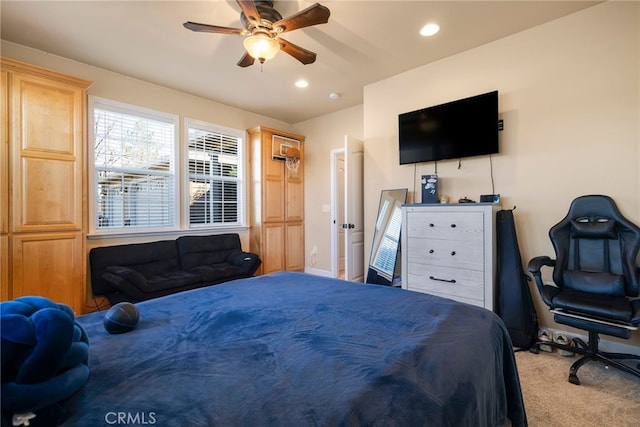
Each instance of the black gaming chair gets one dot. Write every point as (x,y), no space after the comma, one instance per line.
(596,276)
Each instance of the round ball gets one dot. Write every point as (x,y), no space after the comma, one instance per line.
(122,317)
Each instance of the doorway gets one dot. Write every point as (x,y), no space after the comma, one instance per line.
(347,211)
(338,217)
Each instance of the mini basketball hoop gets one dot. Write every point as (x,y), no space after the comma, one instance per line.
(292,159)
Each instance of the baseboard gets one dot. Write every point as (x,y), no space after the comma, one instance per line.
(318,272)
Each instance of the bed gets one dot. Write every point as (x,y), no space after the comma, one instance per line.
(293,349)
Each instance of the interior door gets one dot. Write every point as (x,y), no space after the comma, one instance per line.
(354,209)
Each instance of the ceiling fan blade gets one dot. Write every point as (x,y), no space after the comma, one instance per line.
(313,15)
(246,61)
(194,26)
(301,54)
(249,9)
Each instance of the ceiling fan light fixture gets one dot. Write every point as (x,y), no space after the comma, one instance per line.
(261,46)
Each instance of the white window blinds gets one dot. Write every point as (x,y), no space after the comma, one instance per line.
(215,161)
(134,154)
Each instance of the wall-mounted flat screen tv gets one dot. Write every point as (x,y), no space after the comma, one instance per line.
(462,128)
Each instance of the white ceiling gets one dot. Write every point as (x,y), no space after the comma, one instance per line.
(363,42)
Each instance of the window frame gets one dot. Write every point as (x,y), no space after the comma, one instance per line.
(134,110)
(242,175)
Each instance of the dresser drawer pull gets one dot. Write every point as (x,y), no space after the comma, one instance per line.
(453,253)
(431,225)
(453,226)
(430,251)
(443,280)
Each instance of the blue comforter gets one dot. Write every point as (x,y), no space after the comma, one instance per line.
(292,349)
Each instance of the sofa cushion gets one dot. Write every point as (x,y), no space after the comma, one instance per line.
(218,273)
(172,280)
(124,273)
(149,259)
(207,250)
(123,277)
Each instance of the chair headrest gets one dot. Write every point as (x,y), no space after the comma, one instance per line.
(594,228)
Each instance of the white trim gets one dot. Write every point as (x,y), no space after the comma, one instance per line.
(108,104)
(242,167)
(333,220)
(180,231)
(319,272)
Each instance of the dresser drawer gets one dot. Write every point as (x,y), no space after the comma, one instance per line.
(448,253)
(464,226)
(448,282)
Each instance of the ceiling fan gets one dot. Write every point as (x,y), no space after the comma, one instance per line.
(263,26)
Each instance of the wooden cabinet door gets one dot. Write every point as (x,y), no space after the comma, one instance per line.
(273,247)
(42,201)
(294,235)
(47,135)
(4,187)
(273,200)
(4,154)
(49,265)
(294,206)
(4,267)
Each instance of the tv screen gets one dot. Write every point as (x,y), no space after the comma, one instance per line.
(463,128)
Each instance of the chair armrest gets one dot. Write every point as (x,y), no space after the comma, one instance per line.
(247,261)
(534,267)
(536,264)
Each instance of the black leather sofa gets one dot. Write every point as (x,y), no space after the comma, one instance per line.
(142,271)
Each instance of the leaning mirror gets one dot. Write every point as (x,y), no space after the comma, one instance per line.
(386,237)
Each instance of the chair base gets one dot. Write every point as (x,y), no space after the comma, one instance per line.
(589,351)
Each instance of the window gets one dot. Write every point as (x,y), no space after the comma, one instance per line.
(134,174)
(215,171)
(140,168)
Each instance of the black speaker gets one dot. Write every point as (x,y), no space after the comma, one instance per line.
(429,184)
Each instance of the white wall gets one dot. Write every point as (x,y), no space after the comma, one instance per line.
(570,101)
(569,96)
(323,134)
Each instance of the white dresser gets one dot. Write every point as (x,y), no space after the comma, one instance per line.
(449,250)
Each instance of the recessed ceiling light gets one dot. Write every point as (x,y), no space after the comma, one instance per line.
(334,95)
(429,30)
(302,83)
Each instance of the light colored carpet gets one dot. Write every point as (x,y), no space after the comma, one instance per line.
(605,397)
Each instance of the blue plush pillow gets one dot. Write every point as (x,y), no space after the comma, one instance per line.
(44,354)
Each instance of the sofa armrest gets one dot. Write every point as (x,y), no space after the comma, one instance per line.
(122,278)
(247,261)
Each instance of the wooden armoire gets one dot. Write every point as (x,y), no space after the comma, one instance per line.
(276,201)
(42,185)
